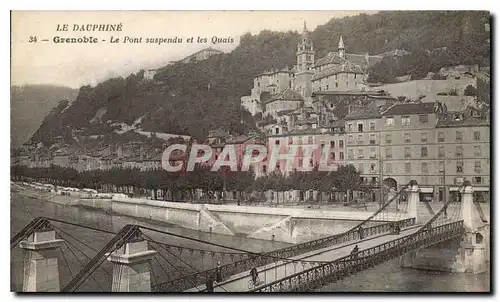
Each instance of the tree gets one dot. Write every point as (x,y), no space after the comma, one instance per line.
(470,91)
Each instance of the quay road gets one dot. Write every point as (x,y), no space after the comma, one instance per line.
(278,270)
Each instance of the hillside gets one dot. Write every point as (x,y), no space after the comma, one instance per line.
(30,104)
(193,98)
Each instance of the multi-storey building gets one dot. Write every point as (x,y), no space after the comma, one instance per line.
(463,142)
(408,146)
(363,143)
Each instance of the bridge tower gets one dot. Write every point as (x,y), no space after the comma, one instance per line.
(466,255)
(132,267)
(41,261)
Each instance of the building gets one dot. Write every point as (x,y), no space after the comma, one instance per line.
(464,140)
(149,74)
(287,100)
(363,127)
(200,55)
(304,70)
(408,145)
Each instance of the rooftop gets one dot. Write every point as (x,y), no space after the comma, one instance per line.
(410,109)
(369,112)
(345,67)
(288,94)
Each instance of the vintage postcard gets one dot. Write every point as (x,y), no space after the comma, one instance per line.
(250,151)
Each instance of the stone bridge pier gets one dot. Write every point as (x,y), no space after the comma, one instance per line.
(41,261)
(132,267)
(468,254)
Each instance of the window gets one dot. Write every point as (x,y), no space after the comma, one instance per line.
(388,138)
(441,137)
(360,127)
(425,168)
(477,135)
(277,130)
(310,140)
(477,150)
(350,154)
(349,127)
(361,139)
(299,140)
(423,151)
(350,139)
(441,151)
(460,167)
(388,167)
(407,152)
(405,120)
(441,166)
(372,139)
(477,180)
(341,155)
(407,137)
(408,168)
(277,142)
(336,85)
(459,136)
(332,144)
(360,153)
(389,121)
(333,155)
(341,144)
(290,140)
(477,167)
(372,126)
(361,168)
(459,152)
(423,119)
(326,86)
(372,168)
(423,137)
(388,152)
(373,153)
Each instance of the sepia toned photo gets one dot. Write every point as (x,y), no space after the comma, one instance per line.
(250,151)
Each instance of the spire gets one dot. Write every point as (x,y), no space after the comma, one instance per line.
(341,43)
(341,48)
(305,27)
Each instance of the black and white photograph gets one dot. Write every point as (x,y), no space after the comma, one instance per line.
(250,151)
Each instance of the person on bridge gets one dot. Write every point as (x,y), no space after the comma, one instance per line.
(218,272)
(361,232)
(397,229)
(254,274)
(354,251)
(210,284)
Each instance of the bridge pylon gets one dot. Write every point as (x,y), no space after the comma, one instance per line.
(413,201)
(41,260)
(132,266)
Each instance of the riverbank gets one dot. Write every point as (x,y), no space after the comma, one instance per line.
(290,225)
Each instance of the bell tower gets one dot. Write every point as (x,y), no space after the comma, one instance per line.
(305,51)
(305,64)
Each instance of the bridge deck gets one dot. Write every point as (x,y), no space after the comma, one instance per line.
(279,270)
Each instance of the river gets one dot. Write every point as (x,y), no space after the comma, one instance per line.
(389,277)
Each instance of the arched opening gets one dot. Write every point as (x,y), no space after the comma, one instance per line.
(390,183)
(479,238)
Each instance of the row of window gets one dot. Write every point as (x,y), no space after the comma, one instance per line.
(310,140)
(424,152)
(423,119)
(424,138)
(424,167)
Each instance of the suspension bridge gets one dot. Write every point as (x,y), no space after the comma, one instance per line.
(141,259)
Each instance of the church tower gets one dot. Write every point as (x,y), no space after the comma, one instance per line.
(305,51)
(304,69)
(341,48)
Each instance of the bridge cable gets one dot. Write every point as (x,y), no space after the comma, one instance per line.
(176,268)
(81,242)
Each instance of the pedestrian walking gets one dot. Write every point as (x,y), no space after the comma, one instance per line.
(218,272)
(210,284)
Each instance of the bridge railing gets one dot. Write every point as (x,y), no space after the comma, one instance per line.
(323,274)
(281,254)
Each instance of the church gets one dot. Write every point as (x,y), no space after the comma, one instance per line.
(337,71)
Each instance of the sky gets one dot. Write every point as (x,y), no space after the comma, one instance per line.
(75,65)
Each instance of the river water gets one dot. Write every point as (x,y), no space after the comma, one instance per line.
(174,263)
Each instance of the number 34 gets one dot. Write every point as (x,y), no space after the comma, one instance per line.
(32,39)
